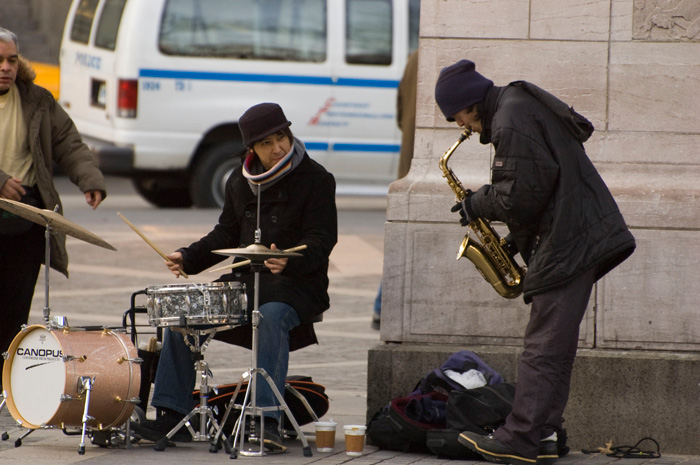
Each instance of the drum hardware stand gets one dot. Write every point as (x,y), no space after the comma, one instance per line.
(5,436)
(204,410)
(251,409)
(85,385)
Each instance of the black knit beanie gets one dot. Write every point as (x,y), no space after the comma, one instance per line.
(262,120)
(459,86)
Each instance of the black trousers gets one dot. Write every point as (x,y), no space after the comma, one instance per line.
(21,257)
(545,366)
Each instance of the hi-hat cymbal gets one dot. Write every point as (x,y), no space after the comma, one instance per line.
(256,252)
(53,219)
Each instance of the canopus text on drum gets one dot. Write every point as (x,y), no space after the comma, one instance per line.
(22,352)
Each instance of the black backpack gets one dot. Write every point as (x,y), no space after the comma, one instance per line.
(481,410)
(403,423)
(420,422)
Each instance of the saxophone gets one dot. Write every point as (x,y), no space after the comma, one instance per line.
(490,256)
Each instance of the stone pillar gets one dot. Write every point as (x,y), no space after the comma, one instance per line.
(631,67)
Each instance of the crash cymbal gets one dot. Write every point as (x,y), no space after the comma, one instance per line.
(57,221)
(256,252)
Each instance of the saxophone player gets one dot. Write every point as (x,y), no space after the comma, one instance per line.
(566,226)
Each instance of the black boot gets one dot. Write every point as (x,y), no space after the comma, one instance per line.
(157,429)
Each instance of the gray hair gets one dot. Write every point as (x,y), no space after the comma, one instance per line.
(8,36)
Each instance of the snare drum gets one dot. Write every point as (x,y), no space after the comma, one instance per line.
(209,304)
(43,371)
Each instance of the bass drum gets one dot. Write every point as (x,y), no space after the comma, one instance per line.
(44,372)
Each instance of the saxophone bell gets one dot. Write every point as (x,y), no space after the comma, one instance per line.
(492,256)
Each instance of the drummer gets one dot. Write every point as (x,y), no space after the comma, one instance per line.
(297,208)
(26,175)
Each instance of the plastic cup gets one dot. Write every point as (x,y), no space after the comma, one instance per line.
(325,435)
(354,439)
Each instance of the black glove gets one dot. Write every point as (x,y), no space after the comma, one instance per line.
(464,209)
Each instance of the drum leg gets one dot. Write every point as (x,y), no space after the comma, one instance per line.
(86,386)
(5,436)
(18,442)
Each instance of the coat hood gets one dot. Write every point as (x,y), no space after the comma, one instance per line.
(25,72)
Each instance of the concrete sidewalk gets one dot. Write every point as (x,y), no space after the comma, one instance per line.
(98,293)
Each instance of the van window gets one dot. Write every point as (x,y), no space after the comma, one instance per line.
(291,30)
(82,21)
(413,24)
(108,26)
(368,32)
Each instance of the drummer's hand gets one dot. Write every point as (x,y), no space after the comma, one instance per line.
(174,263)
(276,265)
(12,189)
(93,198)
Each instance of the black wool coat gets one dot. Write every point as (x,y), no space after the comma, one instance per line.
(547,191)
(297,210)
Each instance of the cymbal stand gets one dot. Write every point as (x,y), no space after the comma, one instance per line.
(47,266)
(204,410)
(249,408)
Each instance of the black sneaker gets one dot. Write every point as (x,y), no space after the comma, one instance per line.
(548,452)
(272,438)
(157,429)
(492,449)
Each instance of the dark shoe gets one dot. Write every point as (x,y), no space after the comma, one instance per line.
(562,448)
(492,449)
(376,322)
(157,429)
(548,452)
(272,438)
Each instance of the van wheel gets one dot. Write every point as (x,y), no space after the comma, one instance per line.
(163,192)
(211,173)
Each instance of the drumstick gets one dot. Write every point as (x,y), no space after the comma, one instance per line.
(247,262)
(153,246)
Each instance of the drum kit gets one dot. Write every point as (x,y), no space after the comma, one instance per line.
(57,376)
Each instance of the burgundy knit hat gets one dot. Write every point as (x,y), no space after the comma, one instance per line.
(262,120)
(459,86)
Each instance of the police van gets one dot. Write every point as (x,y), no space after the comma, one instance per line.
(155,87)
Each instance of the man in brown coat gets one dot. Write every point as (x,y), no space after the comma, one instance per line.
(35,134)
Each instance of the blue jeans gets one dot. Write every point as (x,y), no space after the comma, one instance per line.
(378,302)
(176,375)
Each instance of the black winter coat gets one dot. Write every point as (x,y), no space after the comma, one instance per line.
(545,188)
(298,209)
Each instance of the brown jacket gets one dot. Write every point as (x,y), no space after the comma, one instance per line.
(53,138)
(406,113)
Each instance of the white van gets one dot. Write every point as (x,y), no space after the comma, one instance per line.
(156,86)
